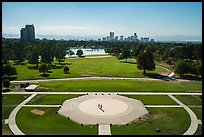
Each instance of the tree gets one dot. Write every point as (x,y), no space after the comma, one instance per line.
(60,52)
(126,53)
(196,67)
(66,69)
(6,83)
(46,52)
(136,50)
(79,52)
(181,67)
(18,51)
(33,58)
(43,68)
(8,70)
(145,61)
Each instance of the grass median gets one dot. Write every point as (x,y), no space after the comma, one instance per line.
(119,86)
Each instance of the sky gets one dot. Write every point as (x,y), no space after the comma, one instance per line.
(92,20)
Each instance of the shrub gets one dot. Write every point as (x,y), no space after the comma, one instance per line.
(66,69)
(43,68)
(6,83)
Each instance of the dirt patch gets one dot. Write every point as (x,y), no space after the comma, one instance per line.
(158,116)
(91,73)
(43,88)
(38,112)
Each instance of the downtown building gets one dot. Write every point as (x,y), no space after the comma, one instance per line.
(28,33)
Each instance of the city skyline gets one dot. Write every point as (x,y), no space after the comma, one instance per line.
(93,20)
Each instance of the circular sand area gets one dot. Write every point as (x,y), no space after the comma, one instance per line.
(109,106)
(117,110)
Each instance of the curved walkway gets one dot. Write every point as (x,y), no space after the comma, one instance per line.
(12,118)
(191,130)
(194,121)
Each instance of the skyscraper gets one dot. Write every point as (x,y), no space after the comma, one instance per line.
(111,35)
(135,36)
(28,33)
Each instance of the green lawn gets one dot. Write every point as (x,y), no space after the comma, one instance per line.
(171,121)
(199,130)
(120,85)
(153,99)
(163,64)
(50,123)
(6,130)
(5,115)
(189,100)
(81,67)
(197,111)
(13,99)
(91,55)
(6,111)
(44,99)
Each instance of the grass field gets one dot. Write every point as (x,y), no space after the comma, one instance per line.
(171,121)
(197,111)
(50,123)
(6,130)
(199,130)
(119,85)
(6,111)
(189,100)
(153,99)
(50,99)
(81,67)
(14,99)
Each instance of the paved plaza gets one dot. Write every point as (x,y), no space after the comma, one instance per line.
(103,109)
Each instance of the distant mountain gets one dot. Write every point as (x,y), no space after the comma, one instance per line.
(178,38)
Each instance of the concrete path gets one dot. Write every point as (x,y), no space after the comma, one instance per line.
(104,130)
(163,106)
(97,78)
(171,74)
(199,121)
(105,56)
(105,93)
(12,117)
(194,121)
(85,78)
(6,121)
(41,106)
(191,130)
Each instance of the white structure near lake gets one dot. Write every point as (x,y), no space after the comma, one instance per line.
(89,51)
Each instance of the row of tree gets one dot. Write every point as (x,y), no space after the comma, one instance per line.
(47,51)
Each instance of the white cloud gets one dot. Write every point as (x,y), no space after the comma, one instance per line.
(70,30)
(10,30)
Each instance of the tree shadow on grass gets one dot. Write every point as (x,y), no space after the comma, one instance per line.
(155,75)
(6,90)
(49,71)
(56,66)
(63,63)
(33,67)
(67,73)
(129,62)
(191,77)
(44,75)
(12,78)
